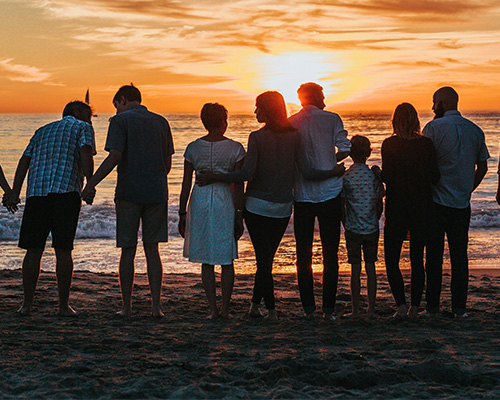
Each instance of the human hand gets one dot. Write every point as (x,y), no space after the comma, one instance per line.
(11,200)
(88,194)
(182,225)
(377,171)
(238,225)
(204,178)
(339,169)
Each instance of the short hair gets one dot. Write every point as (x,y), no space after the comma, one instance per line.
(130,92)
(405,122)
(360,147)
(213,115)
(309,87)
(79,110)
(448,93)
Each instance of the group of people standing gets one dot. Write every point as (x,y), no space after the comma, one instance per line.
(291,164)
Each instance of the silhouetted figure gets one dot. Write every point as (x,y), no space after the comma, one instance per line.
(213,221)
(362,196)
(462,159)
(321,132)
(269,169)
(58,157)
(409,169)
(140,143)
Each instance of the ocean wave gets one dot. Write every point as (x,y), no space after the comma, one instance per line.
(99,221)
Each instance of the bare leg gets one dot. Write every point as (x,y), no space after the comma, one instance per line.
(355,288)
(208,278)
(227,282)
(64,274)
(272,314)
(127,279)
(31,271)
(371,287)
(155,277)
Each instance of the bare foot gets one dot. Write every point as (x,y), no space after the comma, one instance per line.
(225,314)
(413,312)
(213,315)
(24,310)
(272,315)
(157,313)
(370,314)
(124,313)
(67,312)
(255,311)
(329,317)
(401,313)
(353,315)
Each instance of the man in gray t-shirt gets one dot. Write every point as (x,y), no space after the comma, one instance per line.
(140,143)
(462,161)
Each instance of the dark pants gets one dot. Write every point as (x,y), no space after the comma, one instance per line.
(328,214)
(266,234)
(455,223)
(392,249)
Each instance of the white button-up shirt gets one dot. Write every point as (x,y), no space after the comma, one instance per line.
(321,132)
(460,145)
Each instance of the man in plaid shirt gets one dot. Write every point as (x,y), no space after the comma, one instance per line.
(58,157)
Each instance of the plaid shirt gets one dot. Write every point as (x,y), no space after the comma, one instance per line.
(54,150)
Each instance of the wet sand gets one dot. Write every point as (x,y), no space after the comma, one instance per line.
(183,355)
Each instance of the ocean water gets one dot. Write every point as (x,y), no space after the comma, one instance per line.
(95,247)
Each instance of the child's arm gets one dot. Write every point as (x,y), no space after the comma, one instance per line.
(239,204)
(187,181)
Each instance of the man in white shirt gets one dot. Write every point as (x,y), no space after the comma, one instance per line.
(462,161)
(321,132)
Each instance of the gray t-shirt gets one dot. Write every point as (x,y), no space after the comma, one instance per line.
(145,141)
(460,145)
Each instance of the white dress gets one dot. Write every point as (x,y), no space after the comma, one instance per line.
(210,214)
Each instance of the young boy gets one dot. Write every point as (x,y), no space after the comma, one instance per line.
(362,193)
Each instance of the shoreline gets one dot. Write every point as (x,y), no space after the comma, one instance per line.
(183,355)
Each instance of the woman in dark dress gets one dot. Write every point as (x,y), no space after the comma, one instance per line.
(409,169)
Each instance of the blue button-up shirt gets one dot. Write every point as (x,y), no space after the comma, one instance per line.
(54,150)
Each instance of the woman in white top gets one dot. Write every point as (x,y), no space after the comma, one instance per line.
(213,220)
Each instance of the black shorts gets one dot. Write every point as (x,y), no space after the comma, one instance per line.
(355,242)
(56,213)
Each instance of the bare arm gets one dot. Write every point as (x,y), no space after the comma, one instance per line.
(21,171)
(87,161)
(102,172)
(168,164)
(341,155)
(481,169)
(498,191)
(3,183)
(187,182)
(239,204)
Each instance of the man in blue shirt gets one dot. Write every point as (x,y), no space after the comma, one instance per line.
(140,143)
(462,161)
(58,157)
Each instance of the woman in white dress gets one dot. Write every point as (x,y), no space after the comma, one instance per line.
(213,220)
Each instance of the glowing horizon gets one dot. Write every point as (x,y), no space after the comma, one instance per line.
(367,54)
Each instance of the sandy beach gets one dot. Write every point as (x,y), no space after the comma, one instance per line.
(183,355)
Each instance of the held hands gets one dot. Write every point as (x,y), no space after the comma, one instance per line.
(11,200)
(88,194)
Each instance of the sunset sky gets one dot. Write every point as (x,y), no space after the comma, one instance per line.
(367,54)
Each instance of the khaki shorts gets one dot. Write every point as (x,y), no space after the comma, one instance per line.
(154,218)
